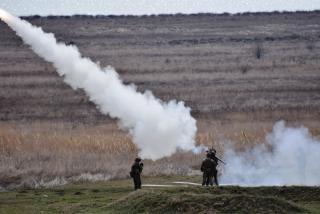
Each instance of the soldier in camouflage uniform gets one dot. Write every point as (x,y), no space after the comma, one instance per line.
(135,172)
(212,155)
(208,167)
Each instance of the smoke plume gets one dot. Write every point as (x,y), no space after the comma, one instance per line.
(157,128)
(290,156)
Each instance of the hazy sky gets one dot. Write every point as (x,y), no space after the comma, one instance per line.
(138,7)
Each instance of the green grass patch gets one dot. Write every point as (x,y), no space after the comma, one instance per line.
(119,197)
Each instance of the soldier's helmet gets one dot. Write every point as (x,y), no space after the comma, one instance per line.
(137,160)
(213,151)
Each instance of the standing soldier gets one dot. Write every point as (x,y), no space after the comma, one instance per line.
(207,167)
(135,172)
(212,155)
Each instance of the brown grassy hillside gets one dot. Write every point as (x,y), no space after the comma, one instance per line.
(238,73)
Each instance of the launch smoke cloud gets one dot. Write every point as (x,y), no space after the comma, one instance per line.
(290,156)
(157,128)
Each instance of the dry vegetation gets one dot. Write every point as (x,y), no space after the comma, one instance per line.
(239,74)
(55,154)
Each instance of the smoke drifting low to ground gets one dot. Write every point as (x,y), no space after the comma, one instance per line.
(157,128)
(290,156)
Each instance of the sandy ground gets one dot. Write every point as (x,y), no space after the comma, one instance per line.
(175,184)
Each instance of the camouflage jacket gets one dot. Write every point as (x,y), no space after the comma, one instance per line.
(136,169)
(208,165)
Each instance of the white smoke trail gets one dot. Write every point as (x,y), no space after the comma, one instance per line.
(157,128)
(291,156)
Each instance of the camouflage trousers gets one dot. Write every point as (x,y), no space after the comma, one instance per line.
(208,178)
(137,182)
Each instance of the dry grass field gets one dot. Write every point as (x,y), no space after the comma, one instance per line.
(238,73)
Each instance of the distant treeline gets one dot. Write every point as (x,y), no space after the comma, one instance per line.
(176,15)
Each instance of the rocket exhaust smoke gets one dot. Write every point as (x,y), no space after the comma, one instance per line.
(4,15)
(157,128)
(290,156)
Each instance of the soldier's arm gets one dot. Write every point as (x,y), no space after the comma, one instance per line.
(202,166)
